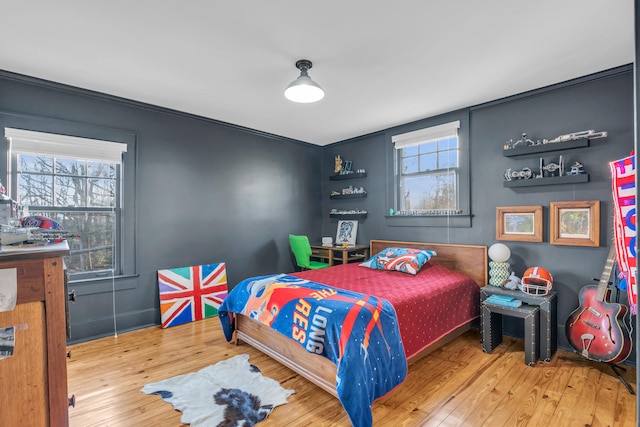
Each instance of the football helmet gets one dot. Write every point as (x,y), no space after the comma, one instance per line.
(537,281)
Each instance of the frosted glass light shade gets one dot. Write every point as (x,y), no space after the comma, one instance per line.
(304,90)
(499,252)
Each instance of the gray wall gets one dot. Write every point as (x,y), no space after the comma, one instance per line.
(210,192)
(603,102)
(206,192)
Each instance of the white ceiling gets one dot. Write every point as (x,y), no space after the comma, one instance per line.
(381,63)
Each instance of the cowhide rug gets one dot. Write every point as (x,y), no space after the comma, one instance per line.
(230,393)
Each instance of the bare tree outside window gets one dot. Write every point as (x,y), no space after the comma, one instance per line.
(82,196)
(428,178)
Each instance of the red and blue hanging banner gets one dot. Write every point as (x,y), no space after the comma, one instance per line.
(623,179)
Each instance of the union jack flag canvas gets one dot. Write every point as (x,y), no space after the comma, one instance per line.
(191,293)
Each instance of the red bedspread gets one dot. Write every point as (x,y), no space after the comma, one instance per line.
(428,305)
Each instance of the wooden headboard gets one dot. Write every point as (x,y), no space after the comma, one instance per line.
(468,259)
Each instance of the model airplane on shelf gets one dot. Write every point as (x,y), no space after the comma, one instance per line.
(10,235)
(527,142)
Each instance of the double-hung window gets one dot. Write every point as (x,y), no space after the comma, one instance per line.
(78,183)
(428,170)
(431,173)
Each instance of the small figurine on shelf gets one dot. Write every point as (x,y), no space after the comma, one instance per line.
(576,169)
(552,169)
(338,164)
(590,134)
(351,190)
(523,142)
(510,174)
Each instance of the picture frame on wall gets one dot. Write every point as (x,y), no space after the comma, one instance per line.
(519,223)
(346,233)
(575,223)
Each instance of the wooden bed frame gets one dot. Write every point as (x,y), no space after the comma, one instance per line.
(468,259)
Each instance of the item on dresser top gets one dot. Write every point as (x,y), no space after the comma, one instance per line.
(10,235)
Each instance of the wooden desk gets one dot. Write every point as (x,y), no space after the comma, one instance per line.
(340,253)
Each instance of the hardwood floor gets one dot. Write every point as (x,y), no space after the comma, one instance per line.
(457,385)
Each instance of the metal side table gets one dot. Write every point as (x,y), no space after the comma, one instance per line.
(492,328)
(548,332)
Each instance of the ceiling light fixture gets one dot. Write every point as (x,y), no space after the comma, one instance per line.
(303,89)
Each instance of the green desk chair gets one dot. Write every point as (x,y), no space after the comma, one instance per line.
(301,249)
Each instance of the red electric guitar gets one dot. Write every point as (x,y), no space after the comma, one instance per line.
(597,329)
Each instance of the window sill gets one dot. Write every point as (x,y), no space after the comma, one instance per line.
(103,284)
(454,221)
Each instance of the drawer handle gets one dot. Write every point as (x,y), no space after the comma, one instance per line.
(72,401)
(72,296)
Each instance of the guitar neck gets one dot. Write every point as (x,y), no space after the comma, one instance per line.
(603,284)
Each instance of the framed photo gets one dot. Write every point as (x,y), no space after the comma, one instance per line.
(575,223)
(521,223)
(346,233)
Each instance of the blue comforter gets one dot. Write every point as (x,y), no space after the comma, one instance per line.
(357,332)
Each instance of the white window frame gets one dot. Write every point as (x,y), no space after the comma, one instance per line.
(420,132)
(55,146)
(125,278)
(416,139)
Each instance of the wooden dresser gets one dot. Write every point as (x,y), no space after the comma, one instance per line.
(33,381)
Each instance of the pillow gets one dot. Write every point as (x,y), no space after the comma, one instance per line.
(399,259)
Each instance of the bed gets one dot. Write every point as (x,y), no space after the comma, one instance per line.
(421,334)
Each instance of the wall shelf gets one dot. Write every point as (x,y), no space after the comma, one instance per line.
(348,216)
(348,196)
(543,148)
(343,213)
(566,179)
(339,177)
